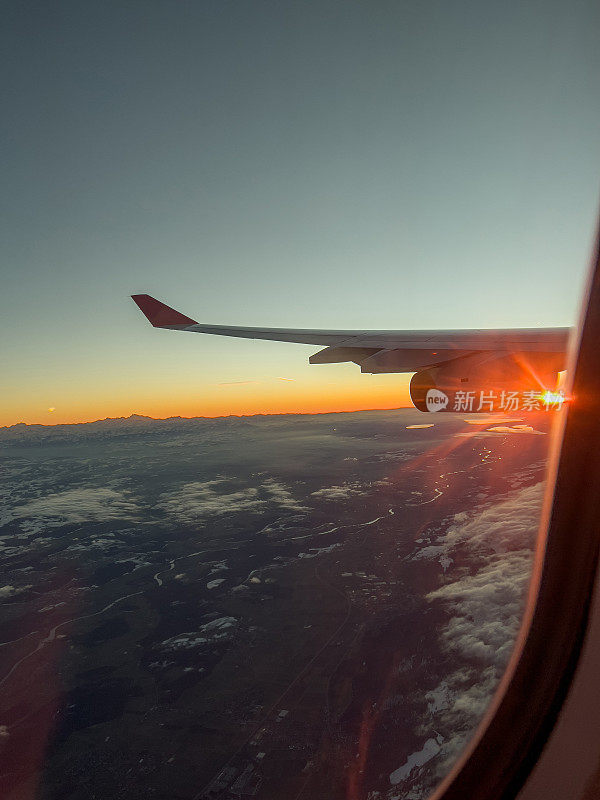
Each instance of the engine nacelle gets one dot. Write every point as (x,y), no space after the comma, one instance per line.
(488,383)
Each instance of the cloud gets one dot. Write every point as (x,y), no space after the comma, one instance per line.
(510,524)
(282,496)
(340,492)
(213,631)
(197,501)
(514,429)
(486,607)
(10,591)
(501,430)
(77,506)
(286,379)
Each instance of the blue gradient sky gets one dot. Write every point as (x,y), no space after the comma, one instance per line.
(314,164)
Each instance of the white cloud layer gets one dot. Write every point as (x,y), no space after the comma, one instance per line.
(75,507)
(486,609)
(10,591)
(197,501)
(339,492)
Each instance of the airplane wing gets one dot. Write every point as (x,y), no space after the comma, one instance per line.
(381,351)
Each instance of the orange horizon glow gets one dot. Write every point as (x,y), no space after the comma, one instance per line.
(188,399)
(248,400)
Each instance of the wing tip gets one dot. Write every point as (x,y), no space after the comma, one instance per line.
(160,315)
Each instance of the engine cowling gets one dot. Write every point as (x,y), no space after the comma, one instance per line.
(486,383)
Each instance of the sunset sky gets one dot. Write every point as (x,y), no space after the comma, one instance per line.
(318,164)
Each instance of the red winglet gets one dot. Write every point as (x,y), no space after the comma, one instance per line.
(160,315)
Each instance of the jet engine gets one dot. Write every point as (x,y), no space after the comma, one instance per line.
(490,383)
